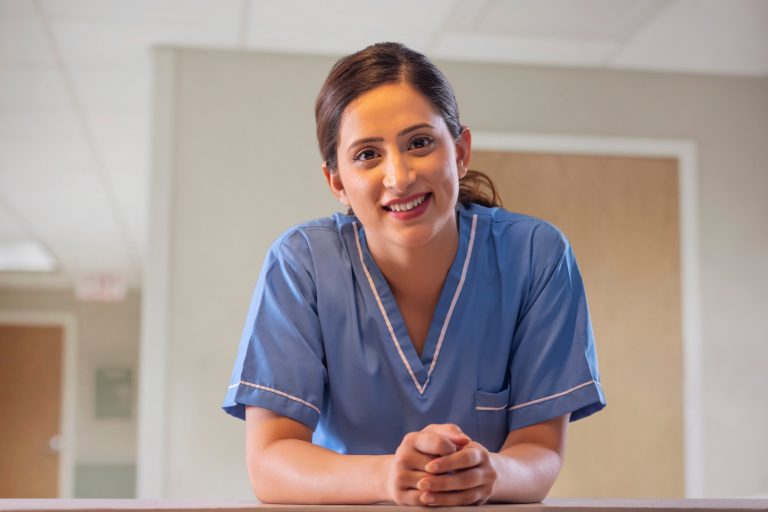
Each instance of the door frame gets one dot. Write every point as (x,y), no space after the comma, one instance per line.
(685,151)
(68,417)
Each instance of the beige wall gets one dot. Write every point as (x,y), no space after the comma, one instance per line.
(107,336)
(236,163)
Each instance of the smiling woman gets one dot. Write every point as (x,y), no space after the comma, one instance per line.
(429,347)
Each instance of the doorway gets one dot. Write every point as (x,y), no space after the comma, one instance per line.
(38,392)
(621,214)
(30,394)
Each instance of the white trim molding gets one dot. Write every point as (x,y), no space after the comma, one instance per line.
(156,299)
(684,150)
(68,417)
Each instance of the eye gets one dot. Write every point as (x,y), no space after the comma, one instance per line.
(365,155)
(421,142)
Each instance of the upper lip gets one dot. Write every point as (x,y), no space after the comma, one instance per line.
(408,199)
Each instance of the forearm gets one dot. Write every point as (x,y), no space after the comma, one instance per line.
(525,473)
(296,471)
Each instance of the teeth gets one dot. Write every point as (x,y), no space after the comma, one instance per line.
(404,207)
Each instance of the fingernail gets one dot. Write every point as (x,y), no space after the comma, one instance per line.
(427,498)
(431,468)
(424,485)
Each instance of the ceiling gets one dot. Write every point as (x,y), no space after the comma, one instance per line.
(75,85)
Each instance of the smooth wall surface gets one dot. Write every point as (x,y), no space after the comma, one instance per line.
(107,337)
(236,136)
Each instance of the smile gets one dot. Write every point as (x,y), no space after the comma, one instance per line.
(404,207)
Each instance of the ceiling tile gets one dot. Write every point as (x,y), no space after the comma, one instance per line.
(522,50)
(39,156)
(113,89)
(72,212)
(109,124)
(89,43)
(16,8)
(564,19)
(190,12)
(31,88)
(22,42)
(36,125)
(334,28)
(704,36)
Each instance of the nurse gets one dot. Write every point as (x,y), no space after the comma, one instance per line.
(428,347)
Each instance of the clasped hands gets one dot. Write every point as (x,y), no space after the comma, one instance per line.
(440,466)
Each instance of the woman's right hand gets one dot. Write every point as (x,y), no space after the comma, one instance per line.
(417,449)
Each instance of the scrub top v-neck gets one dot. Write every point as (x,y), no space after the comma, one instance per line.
(419,368)
(510,343)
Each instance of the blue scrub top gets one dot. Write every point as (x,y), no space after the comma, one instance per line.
(510,343)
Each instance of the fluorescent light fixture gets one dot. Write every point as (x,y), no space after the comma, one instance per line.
(25,257)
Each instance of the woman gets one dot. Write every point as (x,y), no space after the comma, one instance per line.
(426,348)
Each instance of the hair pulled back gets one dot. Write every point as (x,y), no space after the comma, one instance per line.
(388,63)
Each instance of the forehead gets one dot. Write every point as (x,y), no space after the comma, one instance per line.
(390,106)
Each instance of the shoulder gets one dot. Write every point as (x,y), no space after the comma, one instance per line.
(305,242)
(511,231)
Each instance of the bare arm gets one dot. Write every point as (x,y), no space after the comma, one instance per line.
(285,467)
(530,461)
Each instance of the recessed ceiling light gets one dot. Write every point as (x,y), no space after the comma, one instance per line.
(25,257)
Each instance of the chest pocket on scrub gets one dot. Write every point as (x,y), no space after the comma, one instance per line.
(491,414)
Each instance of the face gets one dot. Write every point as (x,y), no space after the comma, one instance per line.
(399,167)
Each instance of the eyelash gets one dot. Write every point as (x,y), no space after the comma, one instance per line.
(428,142)
(359,156)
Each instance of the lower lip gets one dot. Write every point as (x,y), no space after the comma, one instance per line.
(412,214)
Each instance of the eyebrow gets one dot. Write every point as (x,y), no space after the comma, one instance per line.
(399,134)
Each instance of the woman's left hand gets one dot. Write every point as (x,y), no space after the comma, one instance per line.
(466,477)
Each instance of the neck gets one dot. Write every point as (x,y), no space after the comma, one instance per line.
(418,272)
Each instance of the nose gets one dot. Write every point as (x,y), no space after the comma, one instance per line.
(397,175)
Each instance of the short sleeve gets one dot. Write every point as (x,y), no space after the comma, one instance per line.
(280,360)
(554,364)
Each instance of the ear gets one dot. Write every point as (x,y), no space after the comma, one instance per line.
(334,183)
(463,151)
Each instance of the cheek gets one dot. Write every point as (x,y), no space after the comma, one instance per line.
(359,189)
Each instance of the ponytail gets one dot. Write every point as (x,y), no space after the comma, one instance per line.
(477,187)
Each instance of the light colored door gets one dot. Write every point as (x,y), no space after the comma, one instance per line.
(30,410)
(621,216)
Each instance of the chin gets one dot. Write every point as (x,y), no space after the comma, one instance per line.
(417,237)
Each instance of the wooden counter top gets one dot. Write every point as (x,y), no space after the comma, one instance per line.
(573,505)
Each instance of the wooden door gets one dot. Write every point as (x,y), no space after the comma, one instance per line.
(621,216)
(30,409)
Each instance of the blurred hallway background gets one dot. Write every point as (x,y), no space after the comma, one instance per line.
(150,150)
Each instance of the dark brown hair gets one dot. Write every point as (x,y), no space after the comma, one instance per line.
(387,63)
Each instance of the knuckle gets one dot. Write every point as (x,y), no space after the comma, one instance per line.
(410,438)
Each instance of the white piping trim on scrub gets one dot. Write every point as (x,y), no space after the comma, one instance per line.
(419,387)
(550,397)
(277,392)
(383,312)
(455,298)
(483,408)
